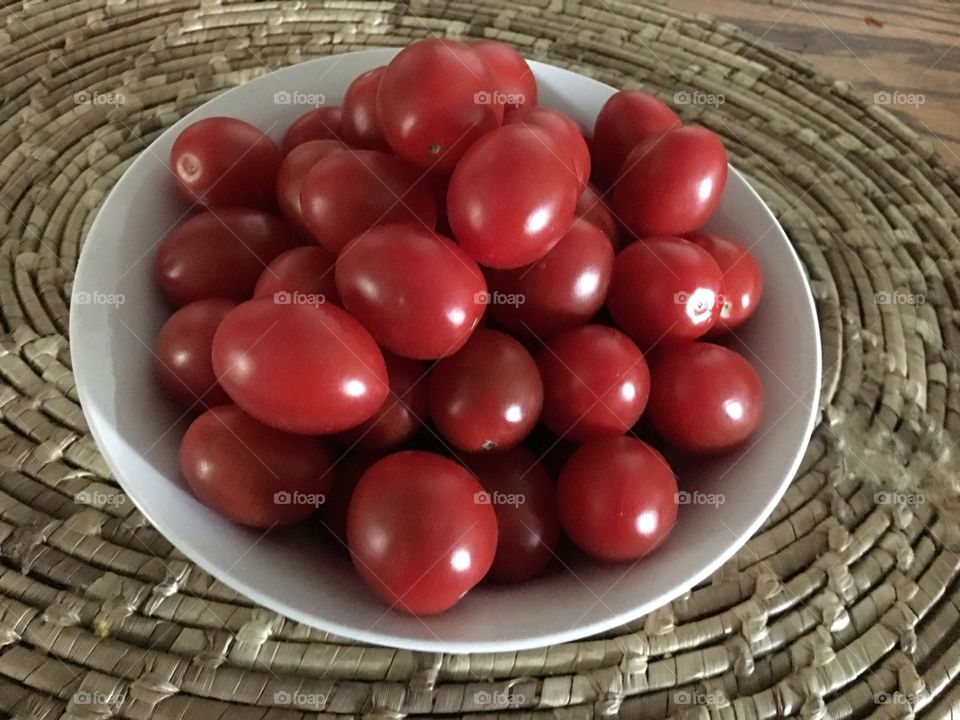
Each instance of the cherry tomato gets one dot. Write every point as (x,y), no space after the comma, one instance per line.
(595,383)
(419,532)
(705,399)
(523,497)
(294,169)
(562,290)
(593,208)
(219,255)
(347,471)
(665,289)
(253,474)
(742,282)
(516,84)
(225,162)
(628,118)
(671,184)
(380,276)
(309,369)
(346,194)
(565,132)
(617,498)
(488,396)
(436,98)
(360,126)
(511,197)
(318,124)
(182,354)
(300,276)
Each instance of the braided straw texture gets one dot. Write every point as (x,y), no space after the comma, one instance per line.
(845,604)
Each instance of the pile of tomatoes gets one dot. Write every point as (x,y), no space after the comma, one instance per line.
(433,317)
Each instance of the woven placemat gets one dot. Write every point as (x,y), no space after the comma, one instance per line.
(845,604)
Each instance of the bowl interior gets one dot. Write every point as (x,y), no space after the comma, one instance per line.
(296,572)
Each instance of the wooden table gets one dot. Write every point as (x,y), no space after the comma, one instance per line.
(905,54)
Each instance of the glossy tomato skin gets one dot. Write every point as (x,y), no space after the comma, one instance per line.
(594,209)
(419,533)
(381,280)
(303,275)
(436,98)
(346,194)
(562,290)
(628,118)
(665,289)
(565,132)
(706,399)
(595,383)
(225,162)
(361,129)
(671,184)
(523,496)
(742,280)
(511,197)
(617,498)
(294,169)
(322,123)
(488,396)
(219,255)
(308,369)
(513,75)
(253,474)
(182,354)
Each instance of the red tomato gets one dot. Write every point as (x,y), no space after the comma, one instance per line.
(670,185)
(628,118)
(348,193)
(488,396)
(302,276)
(319,124)
(380,276)
(595,383)
(419,532)
(436,98)
(294,169)
(562,290)
(665,289)
(705,399)
(593,208)
(347,471)
(182,354)
(225,162)
(309,369)
(219,255)
(511,197)
(617,498)
(360,126)
(565,132)
(253,474)
(742,282)
(523,496)
(517,87)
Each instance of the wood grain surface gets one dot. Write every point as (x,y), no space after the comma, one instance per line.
(905,55)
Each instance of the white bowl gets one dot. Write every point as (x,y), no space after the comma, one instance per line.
(298,575)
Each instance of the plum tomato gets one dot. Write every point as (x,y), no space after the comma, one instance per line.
(225,162)
(488,396)
(565,132)
(253,474)
(742,281)
(303,368)
(617,498)
(524,498)
(671,184)
(182,354)
(219,255)
(511,197)
(416,292)
(705,399)
(322,123)
(595,383)
(360,126)
(347,471)
(563,289)
(436,98)
(419,531)
(346,194)
(515,81)
(292,172)
(303,275)
(665,289)
(594,209)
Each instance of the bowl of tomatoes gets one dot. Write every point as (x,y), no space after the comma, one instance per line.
(442,349)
